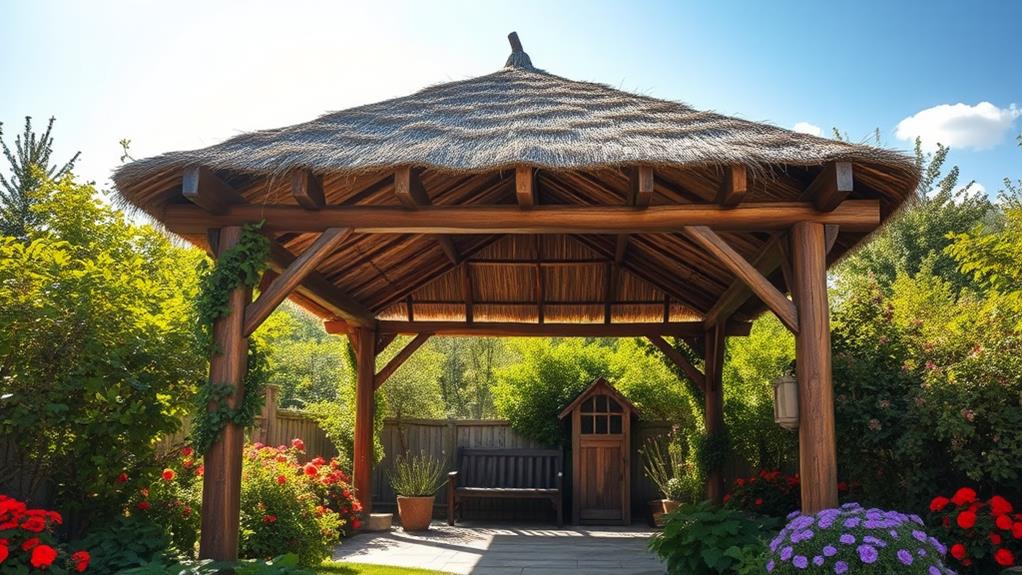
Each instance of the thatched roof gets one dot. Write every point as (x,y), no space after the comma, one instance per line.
(465,138)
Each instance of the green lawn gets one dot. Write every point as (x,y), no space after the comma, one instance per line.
(331,568)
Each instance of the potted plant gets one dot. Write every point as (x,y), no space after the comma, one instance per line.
(663,465)
(416,479)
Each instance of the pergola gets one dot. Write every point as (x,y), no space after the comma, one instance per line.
(521,203)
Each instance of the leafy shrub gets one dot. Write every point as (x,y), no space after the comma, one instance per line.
(769,493)
(417,475)
(173,501)
(27,542)
(126,542)
(699,539)
(985,536)
(852,539)
(283,565)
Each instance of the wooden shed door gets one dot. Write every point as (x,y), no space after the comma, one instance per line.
(602,461)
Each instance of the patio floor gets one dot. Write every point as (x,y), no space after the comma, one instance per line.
(486,549)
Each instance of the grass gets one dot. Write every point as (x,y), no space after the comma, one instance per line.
(331,568)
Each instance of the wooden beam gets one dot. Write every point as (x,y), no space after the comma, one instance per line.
(221,482)
(399,359)
(713,416)
(539,288)
(321,291)
(408,304)
(831,186)
(504,329)
(733,187)
(679,359)
(384,340)
(610,282)
(738,292)
(640,186)
(202,187)
(525,186)
(307,190)
(364,344)
(468,292)
(412,194)
(774,299)
(288,280)
(831,232)
(851,215)
(816,431)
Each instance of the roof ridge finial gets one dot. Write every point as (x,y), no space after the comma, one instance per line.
(518,57)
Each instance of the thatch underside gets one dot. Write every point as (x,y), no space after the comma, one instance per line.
(464,140)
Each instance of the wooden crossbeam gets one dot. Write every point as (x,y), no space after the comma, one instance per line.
(743,270)
(679,359)
(525,186)
(399,359)
(851,215)
(412,194)
(202,187)
(321,291)
(307,190)
(738,292)
(504,329)
(287,280)
(831,186)
(733,186)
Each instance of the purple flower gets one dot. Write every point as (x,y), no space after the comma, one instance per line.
(840,568)
(775,543)
(933,570)
(847,538)
(786,553)
(874,541)
(825,522)
(919,535)
(867,553)
(818,560)
(770,566)
(829,551)
(800,561)
(905,557)
(794,514)
(850,506)
(851,523)
(916,519)
(801,523)
(938,545)
(921,552)
(894,533)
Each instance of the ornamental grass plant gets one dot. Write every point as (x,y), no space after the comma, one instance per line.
(417,476)
(852,539)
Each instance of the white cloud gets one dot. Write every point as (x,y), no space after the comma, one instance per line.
(959,125)
(807,128)
(976,188)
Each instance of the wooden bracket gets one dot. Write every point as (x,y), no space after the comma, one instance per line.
(399,359)
(679,359)
(412,194)
(307,190)
(831,186)
(525,186)
(733,186)
(203,188)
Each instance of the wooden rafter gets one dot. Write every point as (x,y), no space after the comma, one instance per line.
(412,194)
(288,279)
(399,359)
(307,189)
(679,359)
(851,215)
(202,187)
(321,291)
(745,271)
(734,185)
(831,186)
(738,292)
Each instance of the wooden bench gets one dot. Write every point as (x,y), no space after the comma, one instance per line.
(507,474)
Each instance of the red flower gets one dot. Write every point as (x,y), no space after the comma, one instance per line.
(188,463)
(999,505)
(1016,530)
(298,444)
(143,505)
(964,496)
(356,506)
(168,474)
(958,551)
(1004,557)
(994,538)
(122,478)
(81,560)
(966,519)
(281,480)
(939,503)
(269,518)
(842,486)
(759,501)
(200,470)
(3,553)
(187,451)
(310,469)
(35,524)
(1003,522)
(356,523)
(43,556)
(29,543)
(740,482)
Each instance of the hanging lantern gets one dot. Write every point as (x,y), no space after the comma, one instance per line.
(786,401)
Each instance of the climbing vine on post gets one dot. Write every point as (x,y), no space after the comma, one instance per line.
(239,266)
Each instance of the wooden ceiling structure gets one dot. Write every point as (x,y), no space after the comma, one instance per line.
(655,249)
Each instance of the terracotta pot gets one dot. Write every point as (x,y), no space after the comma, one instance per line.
(415,512)
(658,508)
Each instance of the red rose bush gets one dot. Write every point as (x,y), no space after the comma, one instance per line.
(984,536)
(27,543)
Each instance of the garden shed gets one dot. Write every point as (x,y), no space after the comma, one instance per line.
(601,446)
(521,203)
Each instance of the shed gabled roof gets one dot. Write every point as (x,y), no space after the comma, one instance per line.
(599,385)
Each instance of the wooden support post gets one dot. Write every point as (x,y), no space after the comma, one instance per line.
(221,483)
(364,343)
(816,436)
(713,418)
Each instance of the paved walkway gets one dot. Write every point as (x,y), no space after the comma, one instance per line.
(478,549)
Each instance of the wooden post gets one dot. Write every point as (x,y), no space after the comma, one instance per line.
(269,414)
(221,483)
(365,354)
(713,418)
(816,436)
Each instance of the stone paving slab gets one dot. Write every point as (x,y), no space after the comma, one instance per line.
(485,549)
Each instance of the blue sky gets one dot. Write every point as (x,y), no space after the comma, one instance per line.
(185,74)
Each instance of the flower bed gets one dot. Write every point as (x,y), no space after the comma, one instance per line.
(985,536)
(27,542)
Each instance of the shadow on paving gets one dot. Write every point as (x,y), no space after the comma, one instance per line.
(485,549)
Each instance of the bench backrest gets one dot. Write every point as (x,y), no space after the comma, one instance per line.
(521,468)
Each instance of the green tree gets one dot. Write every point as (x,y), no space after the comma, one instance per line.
(97,350)
(30,167)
